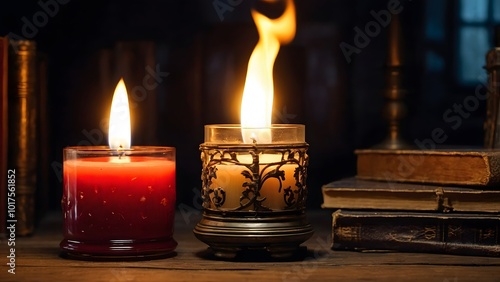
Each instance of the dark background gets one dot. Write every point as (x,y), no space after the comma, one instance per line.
(90,44)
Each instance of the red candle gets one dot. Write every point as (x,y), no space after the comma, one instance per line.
(118,201)
(115,206)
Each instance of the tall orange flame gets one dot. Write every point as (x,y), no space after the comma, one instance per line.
(119,119)
(257,102)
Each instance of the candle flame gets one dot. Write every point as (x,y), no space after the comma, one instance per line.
(257,102)
(119,119)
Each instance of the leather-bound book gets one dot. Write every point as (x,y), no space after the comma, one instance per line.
(446,233)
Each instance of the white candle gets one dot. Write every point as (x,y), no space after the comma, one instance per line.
(231,179)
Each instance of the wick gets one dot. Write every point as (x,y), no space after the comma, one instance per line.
(120,153)
(253,140)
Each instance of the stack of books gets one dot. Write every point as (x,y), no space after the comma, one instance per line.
(435,201)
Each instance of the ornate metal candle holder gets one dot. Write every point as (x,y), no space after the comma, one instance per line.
(254,195)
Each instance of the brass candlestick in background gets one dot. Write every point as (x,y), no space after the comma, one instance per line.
(395,109)
(22,130)
(491,136)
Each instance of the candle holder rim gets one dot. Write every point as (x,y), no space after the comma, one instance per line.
(246,147)
(105,151)
(235,134)
(273,126)
(103,148)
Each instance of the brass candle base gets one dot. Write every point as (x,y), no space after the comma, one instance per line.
(278,233)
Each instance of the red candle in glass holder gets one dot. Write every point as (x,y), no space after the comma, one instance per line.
(119,201)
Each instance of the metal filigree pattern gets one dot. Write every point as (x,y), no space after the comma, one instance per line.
(256,173)
(215,196)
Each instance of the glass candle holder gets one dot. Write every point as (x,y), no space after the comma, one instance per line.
(118,204)
(254,195)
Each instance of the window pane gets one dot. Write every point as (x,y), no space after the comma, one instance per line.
(496,10)
(474,10)
(435,16)
(473,48)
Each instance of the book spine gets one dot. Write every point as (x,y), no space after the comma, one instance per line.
(3,134)
(410,233)
(471,168)
(22,132)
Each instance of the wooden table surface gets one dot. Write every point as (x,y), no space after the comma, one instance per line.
(38,259)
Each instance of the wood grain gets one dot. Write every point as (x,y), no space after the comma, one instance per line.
(38,259)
